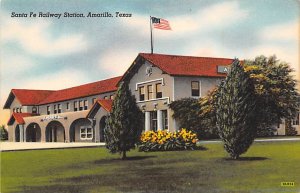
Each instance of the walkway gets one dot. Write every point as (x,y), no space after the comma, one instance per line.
(256,140)
(16,146)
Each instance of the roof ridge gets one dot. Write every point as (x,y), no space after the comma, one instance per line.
(89,83)
(187,56)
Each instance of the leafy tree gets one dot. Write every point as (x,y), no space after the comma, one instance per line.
(186,111)
(208,114)
(289,129)
(125,123)
(236,111)
(3,133)
(275,92)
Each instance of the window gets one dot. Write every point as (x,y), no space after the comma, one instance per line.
(296,120)
(93,100)
(14,110)
(165,119)
(195,88)
(105,97)
(158,91)
(68,106)
(75,105)
(85,103)
(59,108)
(86,133)
(34,110)
(153,119)
(80,105)
(17,110)
(20,110)
(55,109)
(48,110)
(142,93)
(150,92)
(112,97)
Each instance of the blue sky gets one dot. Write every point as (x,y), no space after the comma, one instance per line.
(46,53)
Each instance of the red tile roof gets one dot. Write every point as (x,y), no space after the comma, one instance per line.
(31,97)
(19,117)
(187,65)
(38,97)
(90,89)
(106,104)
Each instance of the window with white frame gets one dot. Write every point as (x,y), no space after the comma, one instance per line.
(85,103)
(59,108)
(165,119)
(80,105)
(296,120)
(34,110)
(150,92)
(86,133)
(153,120)
(142,93)
(195,87)
(55,109)
(75,105)
(48,110)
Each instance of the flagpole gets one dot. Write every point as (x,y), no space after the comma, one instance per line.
(151,35)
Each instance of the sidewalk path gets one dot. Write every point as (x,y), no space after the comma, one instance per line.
(15,146)
(256,140)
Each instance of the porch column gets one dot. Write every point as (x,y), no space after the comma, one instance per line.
(21,133)
(24,133)
(159,120)
(53,134)
(147,121)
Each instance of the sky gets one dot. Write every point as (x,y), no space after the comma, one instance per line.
(56,53)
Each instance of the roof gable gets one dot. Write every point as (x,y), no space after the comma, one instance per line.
(179,65)
(104,103)
(26,96)
(19,118)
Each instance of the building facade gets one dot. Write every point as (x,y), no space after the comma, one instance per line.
(78,114)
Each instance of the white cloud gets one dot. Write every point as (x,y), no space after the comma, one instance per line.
(282,32)
(36,38)
(215,16)
(15,64)
(116,62)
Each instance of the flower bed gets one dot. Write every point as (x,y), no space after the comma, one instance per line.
(168,141)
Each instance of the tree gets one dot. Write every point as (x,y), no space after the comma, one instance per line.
(275,92)
(3,133)
(186,111)
(236,111)
(289,129)
(125,123)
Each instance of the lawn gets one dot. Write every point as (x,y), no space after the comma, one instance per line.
(262,169)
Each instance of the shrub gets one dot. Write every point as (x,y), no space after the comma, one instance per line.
(3,133)
(168,141)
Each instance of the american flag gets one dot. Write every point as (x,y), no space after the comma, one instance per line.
(160,23)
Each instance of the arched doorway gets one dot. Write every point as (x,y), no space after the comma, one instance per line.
(102,126)
(55,132)
(33,133)
(17,134)
(81,130)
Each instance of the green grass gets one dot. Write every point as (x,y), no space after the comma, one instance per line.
(262,168)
